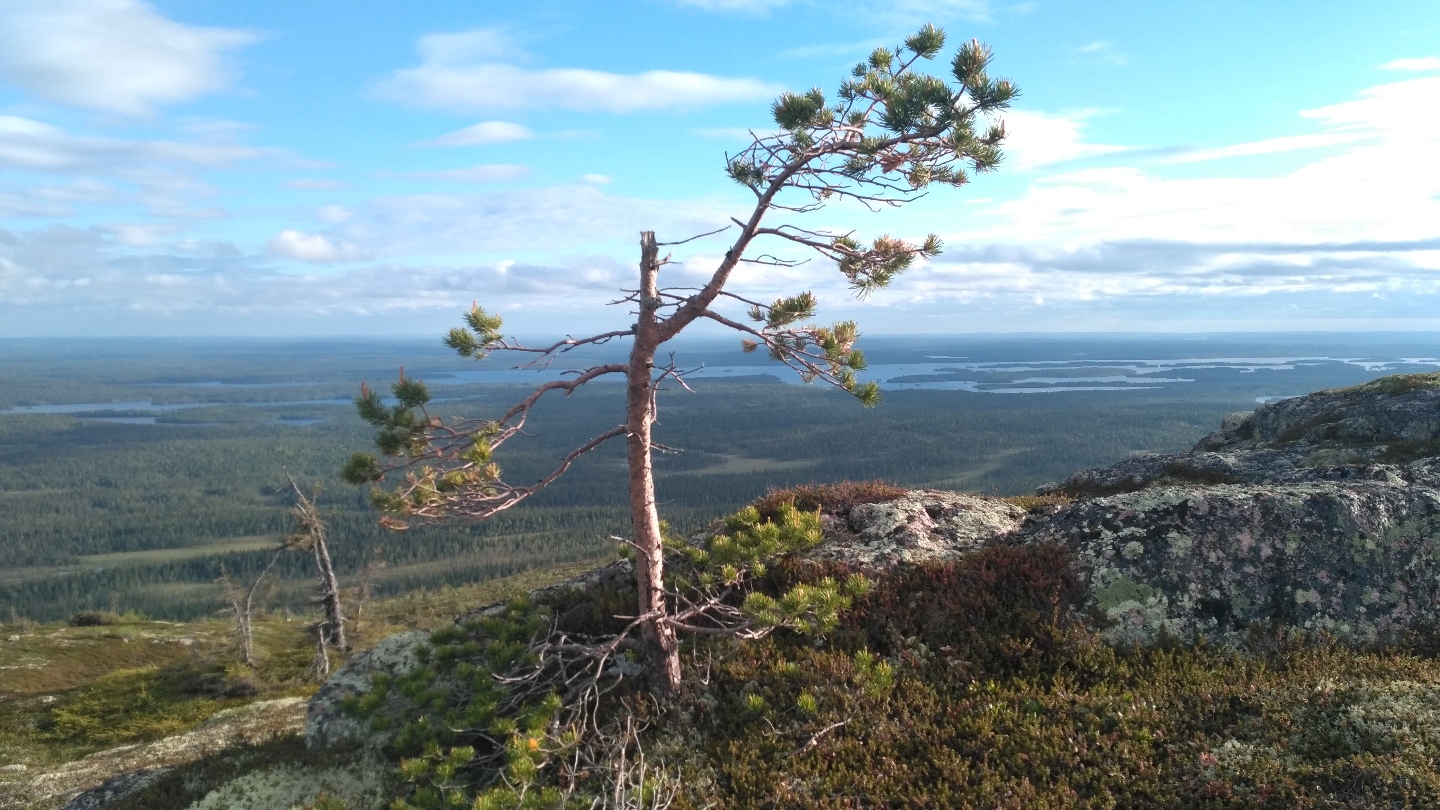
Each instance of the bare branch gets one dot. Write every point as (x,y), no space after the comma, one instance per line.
(814,740)
(693,238)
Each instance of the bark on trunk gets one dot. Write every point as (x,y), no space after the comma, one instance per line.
(662,646)
(330,595)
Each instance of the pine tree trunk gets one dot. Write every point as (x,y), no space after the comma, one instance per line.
(662,646)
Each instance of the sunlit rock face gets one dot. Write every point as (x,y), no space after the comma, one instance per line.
(924,525)
(1358,559)
(1288,514)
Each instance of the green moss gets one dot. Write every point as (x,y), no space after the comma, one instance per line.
(137,705)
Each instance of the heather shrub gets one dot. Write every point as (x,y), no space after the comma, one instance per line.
(827,498)
(95,618)
(976,682)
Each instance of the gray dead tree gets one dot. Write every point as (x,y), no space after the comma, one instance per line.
(309,535)
(241,607)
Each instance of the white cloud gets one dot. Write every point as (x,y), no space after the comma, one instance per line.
(1270,146)
(136,234)
(482,134)
(1424,63)
(210,287)
(596,179)
(313,247)
(29,145)
(161,175)
(489,173)
(1036,139)
(116,56)
(479,43)
(1365,218)
(455,76)
(551,219)
(855,50)
(1136,244)
(1403,110)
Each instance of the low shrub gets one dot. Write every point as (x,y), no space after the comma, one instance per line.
(976,683)
(828,498)
(95,618)
(1035,503)
(130,705)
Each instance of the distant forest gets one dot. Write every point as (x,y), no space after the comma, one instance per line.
(105,514)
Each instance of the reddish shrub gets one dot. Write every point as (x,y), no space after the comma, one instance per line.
(1005,609)
(828,498)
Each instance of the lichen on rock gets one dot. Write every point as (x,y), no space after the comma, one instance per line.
(327,724)
(1355,559)
(922,526)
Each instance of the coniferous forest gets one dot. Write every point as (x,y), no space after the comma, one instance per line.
(172,458)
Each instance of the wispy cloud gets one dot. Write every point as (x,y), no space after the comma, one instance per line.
(561,218)
(489,173)
(29,145)
(1404,110)
(1382,185)
(1036,139)
(484,133)
(851,49)
(458,76)
(1424,63)
(734,6)
(315,184)
(161,175)
(1270,146)
(115,56)
(909,12)
(1102,51)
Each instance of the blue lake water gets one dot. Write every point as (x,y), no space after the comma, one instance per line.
(1289,374)
(147,405)
(1140,374)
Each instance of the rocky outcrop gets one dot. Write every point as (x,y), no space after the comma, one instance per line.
(1294,513)
(327,724)
(1359,559)
(1392,420)
(1319,513)
(922,526)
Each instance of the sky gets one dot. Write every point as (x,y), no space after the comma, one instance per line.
(366,168)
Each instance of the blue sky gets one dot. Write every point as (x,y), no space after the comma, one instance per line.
(200,167)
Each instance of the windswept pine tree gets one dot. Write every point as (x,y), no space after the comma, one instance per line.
(888,136)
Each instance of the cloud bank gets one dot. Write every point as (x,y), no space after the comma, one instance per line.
(459,73)
(114,56)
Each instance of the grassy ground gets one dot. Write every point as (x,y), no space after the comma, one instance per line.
(66,692)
